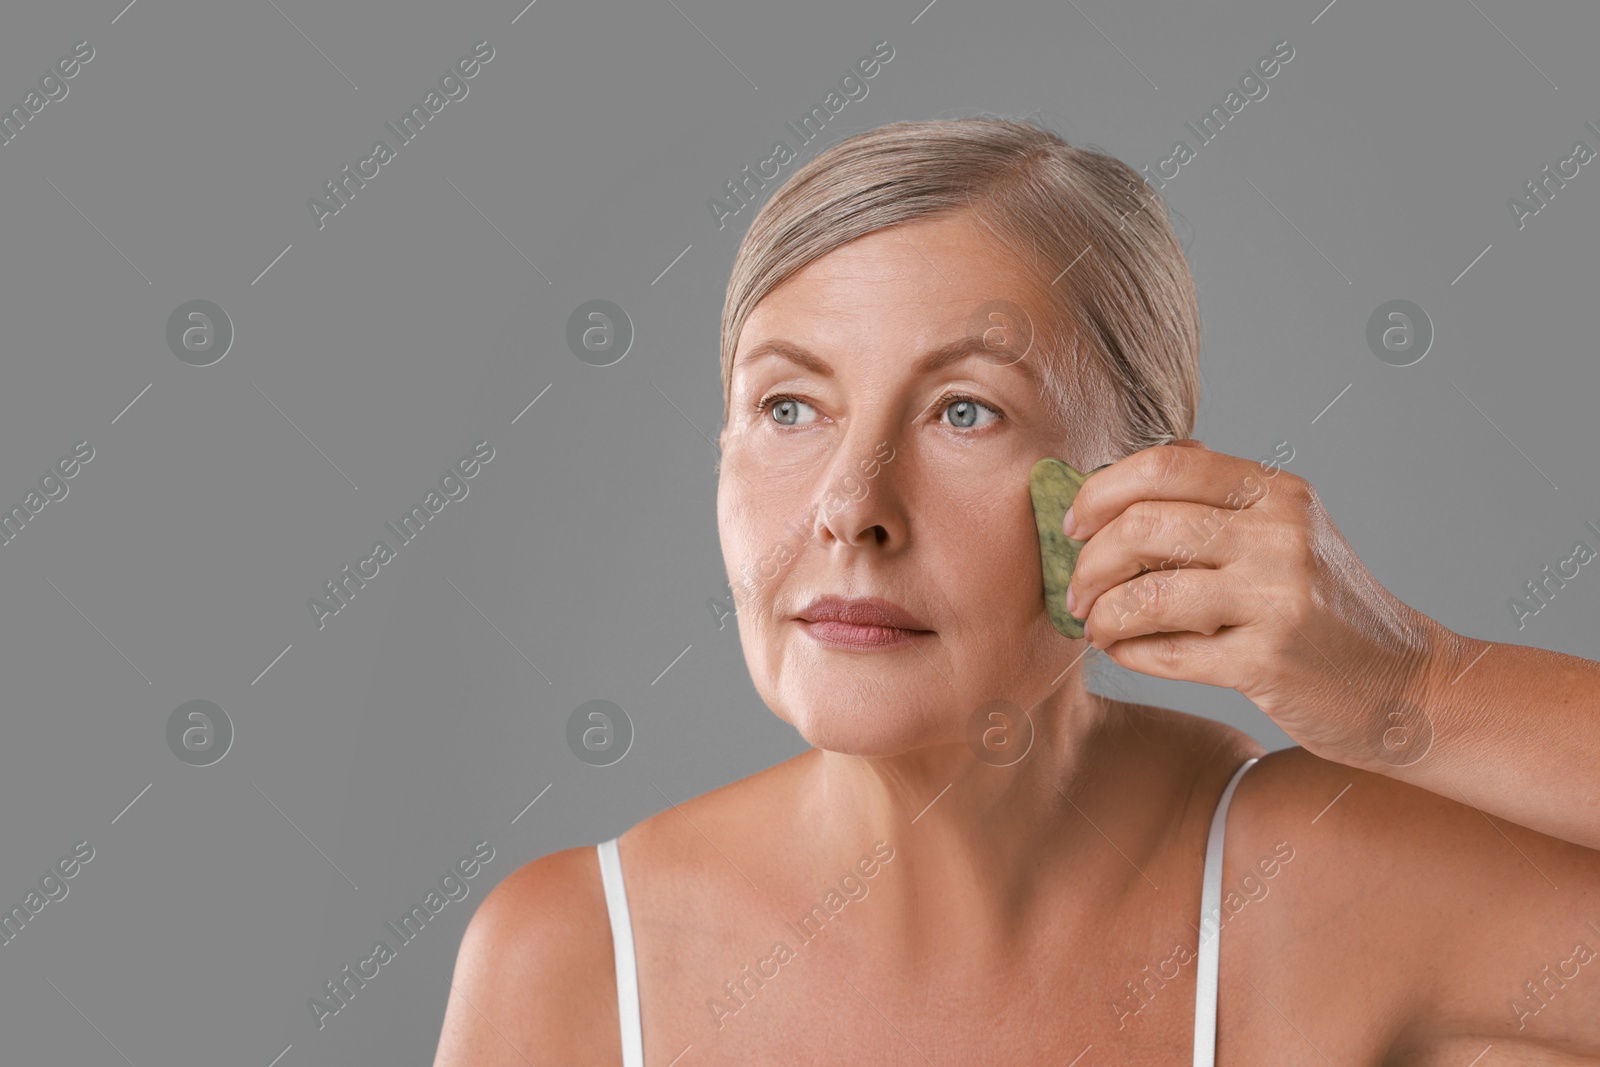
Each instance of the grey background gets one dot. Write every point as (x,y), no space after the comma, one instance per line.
(429,713)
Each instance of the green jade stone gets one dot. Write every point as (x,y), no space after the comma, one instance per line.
(1053,486)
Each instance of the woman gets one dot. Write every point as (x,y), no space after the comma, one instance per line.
(980,861)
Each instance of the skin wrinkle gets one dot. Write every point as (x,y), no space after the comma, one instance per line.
(945,529)
(1022,898)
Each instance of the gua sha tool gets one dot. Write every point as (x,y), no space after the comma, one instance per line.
(1053,486)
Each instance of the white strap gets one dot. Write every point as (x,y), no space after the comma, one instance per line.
(622,949)
(1205,997)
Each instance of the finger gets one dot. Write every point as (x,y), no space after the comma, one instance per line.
(1158,536)
(1185,657)
(1199,600)
(1166,472)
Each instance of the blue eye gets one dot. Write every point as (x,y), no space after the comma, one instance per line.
(784,406)
(966,408)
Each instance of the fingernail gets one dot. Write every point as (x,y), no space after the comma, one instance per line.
(1069,525)
(1072,600)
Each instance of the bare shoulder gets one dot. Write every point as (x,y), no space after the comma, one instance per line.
(535,978)
(745,810)
(1372,836)
(1202,749)
(1462,923)
(1388,832)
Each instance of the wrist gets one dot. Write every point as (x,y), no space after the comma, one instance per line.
(1409,716)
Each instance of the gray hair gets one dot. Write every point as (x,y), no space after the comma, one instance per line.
(1131,299)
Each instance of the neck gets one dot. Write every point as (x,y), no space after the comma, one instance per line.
(983,853)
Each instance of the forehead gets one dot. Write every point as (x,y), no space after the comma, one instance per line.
(920,283)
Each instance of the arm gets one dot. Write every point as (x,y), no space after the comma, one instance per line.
(1274,602)
(1513,731)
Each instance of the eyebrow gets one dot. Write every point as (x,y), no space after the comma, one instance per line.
(937,359)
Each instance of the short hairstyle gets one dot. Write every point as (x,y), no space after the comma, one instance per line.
(1097,234)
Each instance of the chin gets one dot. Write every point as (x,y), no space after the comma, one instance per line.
(858,726)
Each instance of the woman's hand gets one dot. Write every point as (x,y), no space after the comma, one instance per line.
(1205,567)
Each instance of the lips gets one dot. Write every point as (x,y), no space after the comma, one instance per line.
(861,611)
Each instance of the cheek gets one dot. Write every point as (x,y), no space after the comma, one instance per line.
(982,555)
(756,547)
(737,556)
(995,500)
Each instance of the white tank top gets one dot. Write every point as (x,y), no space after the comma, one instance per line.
(1205,1005)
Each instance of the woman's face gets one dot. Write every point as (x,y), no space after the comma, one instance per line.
(858,477)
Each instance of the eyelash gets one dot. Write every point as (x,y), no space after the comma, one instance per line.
(942,403)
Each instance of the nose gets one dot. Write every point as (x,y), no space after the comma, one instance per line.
(858,501)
